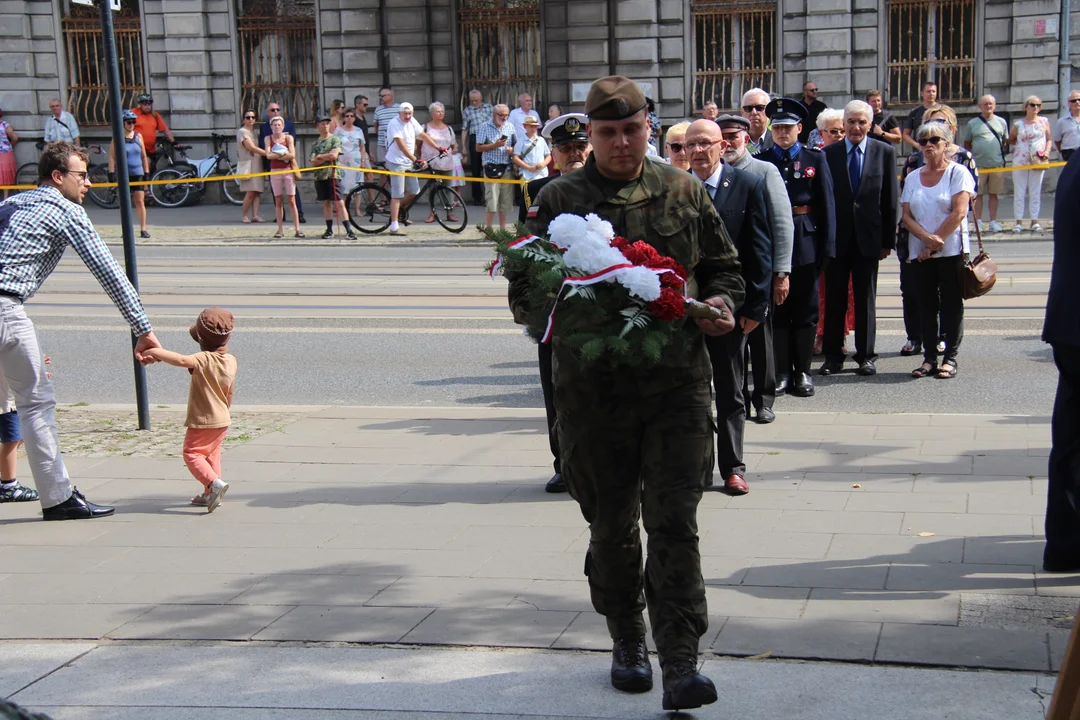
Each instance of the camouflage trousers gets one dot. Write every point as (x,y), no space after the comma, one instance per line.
(630,457)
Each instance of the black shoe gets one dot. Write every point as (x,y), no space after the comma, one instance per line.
(351,235)
(76,507)
(783,384)
(406,222)
(765,416)
(867,368)
(17,493)
(684,687)
(831,367)
(802,385)
(556,484)
(328,235)
(144,234)
(303,220)
(631,670)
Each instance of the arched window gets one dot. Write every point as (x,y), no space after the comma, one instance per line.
(931,40)
(88,98)
(500,49)
(277,56)
(734,50)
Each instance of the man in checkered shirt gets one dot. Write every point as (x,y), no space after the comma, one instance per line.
(35,229)
(495,139)
(475,114)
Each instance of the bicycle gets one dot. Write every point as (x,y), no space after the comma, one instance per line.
(368,204)
(176,193)
(105,197)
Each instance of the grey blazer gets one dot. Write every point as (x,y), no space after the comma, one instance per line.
(776,198)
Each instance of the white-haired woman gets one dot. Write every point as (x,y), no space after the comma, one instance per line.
(442,134)
(830,129)
(935,205)
(1030,138)
(353,149)
(677,154)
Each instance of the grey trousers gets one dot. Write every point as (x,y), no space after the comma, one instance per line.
(23,365)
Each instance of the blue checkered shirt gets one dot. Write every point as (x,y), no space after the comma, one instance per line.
(35,229)
(488,133)
(472,118)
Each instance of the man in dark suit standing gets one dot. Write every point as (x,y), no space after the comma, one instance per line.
(1062,330)
(810,191)
(866,192)
(739,198)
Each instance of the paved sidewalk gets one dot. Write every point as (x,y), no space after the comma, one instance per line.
(909,539)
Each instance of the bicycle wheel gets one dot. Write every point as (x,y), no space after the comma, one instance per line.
(106,197)
(448,208)
(368,206)
(230,187)
(26,175)
(172,193)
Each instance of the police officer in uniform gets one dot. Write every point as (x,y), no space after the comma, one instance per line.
(810,190)
(638,443)
(570,147)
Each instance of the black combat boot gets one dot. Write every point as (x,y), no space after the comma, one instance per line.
(684,687)
(630,667)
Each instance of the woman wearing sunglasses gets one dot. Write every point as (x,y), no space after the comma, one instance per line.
(247,150)
(829,130)
(1030,138)
(138,165)
(935,203)
(936,113)
(677,154)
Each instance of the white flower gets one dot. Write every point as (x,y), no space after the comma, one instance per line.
(590,257)
(565,229)
(600,227)
(641,282)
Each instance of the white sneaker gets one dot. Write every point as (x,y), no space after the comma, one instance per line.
(982,225)
(216,492)
(1036,228)
(201,500)
(995,226)
(1018,228)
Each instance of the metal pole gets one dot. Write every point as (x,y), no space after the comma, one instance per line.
(108,38)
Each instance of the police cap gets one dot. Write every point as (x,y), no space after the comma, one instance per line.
(614,98)
(567,128)
(786,111)
(733,122)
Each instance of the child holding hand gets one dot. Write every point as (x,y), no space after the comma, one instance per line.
(213,374)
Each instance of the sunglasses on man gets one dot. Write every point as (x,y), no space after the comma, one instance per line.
(752,108)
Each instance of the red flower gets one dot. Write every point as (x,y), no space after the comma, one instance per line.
(619,243)
(670,306)
(642,253)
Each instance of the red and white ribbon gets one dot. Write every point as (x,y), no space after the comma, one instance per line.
(591,279)
(520,242)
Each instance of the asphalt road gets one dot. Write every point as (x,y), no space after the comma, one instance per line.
(412,326)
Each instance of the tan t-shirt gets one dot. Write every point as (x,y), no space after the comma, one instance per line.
(211,391)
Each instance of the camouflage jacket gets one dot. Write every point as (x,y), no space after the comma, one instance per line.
(671,210)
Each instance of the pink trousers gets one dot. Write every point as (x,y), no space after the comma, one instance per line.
(202,453)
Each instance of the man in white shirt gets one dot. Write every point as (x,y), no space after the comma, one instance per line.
(517,115)
(531,153)
(1067,129)
(401,135)
(61,125)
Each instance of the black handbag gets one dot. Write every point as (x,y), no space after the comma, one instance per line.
(494,170)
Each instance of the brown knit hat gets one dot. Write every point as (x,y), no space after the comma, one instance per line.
(212,329)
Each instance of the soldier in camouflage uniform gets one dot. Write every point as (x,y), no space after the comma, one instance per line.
(639,443)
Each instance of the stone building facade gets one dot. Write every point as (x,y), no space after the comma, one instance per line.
(203,60)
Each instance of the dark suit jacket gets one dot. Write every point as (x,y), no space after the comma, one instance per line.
(740,200)
(866,221)
(1062,325)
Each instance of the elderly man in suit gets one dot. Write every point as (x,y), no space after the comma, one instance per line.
(866,190)
(739,198)
(1062,330)
(736,134)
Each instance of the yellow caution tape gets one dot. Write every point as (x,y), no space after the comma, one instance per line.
(1043,166)
(246,176)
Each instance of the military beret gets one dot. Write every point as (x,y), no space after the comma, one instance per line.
(567,128)
(614,98)
(785,111)
(737,122)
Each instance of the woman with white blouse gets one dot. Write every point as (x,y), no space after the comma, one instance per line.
(935,203)
(1030,138)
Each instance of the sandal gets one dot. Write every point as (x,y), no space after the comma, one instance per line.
(245,220)
(299,234)
(947,374)
(909,349)
(430,219)
(278,235)
(924,370)
(257,219)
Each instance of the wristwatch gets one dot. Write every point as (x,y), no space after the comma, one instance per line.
(781,275)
